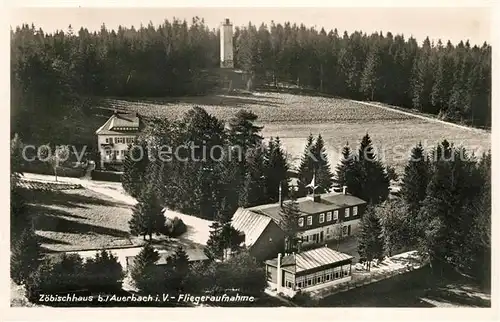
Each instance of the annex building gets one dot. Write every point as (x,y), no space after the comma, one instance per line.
(308,271)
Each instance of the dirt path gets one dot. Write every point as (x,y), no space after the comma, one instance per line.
(430,119)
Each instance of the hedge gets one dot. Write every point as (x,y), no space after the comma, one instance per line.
(106,176)
(43,168)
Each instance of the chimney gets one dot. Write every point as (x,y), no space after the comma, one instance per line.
(344,190)
(278,275)
(227,21)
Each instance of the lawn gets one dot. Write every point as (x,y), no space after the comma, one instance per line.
(293,117)
(76,219)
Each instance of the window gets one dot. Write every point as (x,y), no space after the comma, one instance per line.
(109,140)
(327,230)
(289,284)
(301,222)
(299,284)
(327,277)
(336,215)
(130,140)
(309,220)
(337,275)
(321,218)
(347,212)
(329,216)
(306,238)
(318,280)
(355,210)
(309,282)
(344,230)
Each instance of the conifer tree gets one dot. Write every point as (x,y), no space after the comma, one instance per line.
(224,239)
(135,166)
(177,270)
(276,170)
(254,189)
(306,168)
(371,244)
(147,217)
(372,176)
(415,179)
(323,173)
(289,222)
(25,256)
(145,274)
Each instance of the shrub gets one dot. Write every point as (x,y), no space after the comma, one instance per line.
(175,227)
(104,271)
(304,299)
(61,273)
(69,273)
(106,176)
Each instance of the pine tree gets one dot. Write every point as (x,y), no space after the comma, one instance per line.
(224,239)
(396,230)
(371,244)
(254,189)
(445,217)
(306,168)
(324,175)
(177,270)
(134,169)
(104,271)
(371,76)
(415,179)
(242,131)
(372,176)
(276,170)
(25,256)
(290,214)
(147,217)
(145,274)
(214,249)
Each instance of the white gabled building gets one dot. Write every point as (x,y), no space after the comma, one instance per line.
(115,136)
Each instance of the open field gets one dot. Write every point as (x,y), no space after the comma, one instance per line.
(293,117)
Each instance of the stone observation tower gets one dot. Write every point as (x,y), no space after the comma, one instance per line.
(226,45)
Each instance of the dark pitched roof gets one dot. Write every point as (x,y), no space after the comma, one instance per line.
(250,223)
(310,259)
(121,123)
(328,202)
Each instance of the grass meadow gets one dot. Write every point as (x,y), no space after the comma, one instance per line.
(293,117)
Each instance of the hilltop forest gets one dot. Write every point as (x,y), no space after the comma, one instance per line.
(61,74)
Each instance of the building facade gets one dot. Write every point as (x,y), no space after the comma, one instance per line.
(115,136)
(326,217)
(308,271)
(263,237)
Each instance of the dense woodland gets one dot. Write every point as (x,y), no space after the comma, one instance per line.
(61,74)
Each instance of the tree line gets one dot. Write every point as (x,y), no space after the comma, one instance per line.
(62,73)
(443,210)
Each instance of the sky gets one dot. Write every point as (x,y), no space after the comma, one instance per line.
(446,23)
